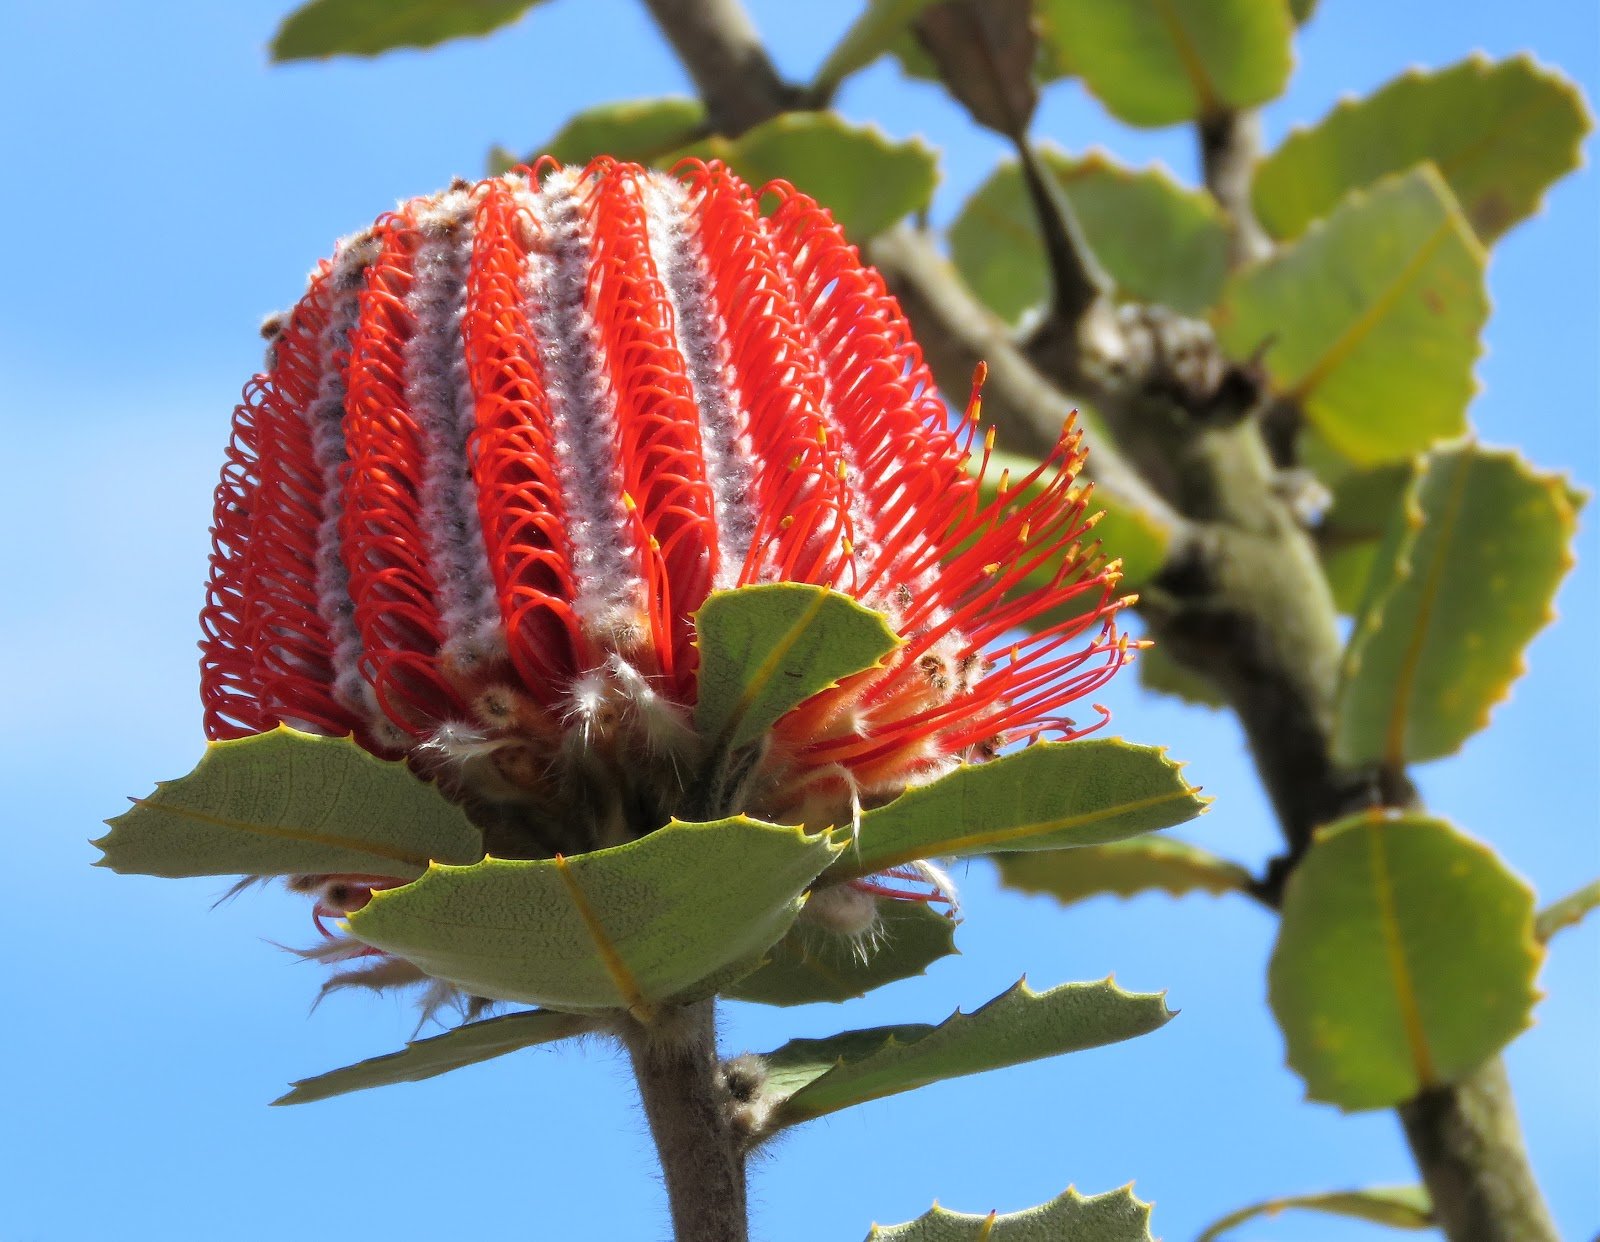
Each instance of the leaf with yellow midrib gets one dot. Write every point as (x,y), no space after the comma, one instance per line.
(290,803)
(1370,320)
(1051,795)
(1405,957)
(1464,579)
(666,918)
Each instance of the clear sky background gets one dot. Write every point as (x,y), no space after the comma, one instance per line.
(165,188)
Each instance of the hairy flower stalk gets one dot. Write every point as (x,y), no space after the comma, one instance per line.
(515,433)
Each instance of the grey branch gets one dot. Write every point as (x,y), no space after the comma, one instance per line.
(719,46)
(1230,145)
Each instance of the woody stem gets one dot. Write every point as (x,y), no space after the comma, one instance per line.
(675,1063)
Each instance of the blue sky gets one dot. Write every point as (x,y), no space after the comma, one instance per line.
(167,188)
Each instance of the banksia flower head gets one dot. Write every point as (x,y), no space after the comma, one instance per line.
(515,433)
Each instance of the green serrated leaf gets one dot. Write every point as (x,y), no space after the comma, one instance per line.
(1500,132)
(1366,505)
(813,1077)
(290,803)
(1115,1216)
(1568,912)
(428,1058)
(1400,1207)
(1124,868)
(1125,533)
(621,928)
(1160,62)
(1405,958)
(866,179)
(767,649)
(1047,796)
(812,964)
(641,131)
(1157,241)
(1465,580)
(1369,321)
(369,27)
(881,24)
(1159,672)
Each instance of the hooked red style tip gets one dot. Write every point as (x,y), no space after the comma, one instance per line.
(515,432)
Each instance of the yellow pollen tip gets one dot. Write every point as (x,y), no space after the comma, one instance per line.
(847,546)
(988,440)
(1129,600)
(1094,520)
(1022,535)
(991,569)
(841,470)
(628,503)
(786,523)
(822,436)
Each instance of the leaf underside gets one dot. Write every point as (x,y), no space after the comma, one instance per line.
(1500,132)
(1124,868)
(812,964)
(1115,1216)
(1047,796)
(427,1058)
(290,803)
(1176,61)
(1369,322)
(1465,578)
(1399,1207)
(1405,958)
(1156,240)
(865,178)
(812,1077)
(663,918)
(767,649)
(325,28)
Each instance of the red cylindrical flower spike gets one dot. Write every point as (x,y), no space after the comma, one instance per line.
(515,433)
